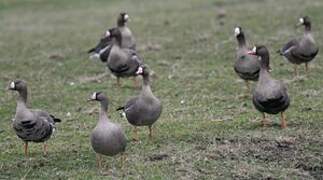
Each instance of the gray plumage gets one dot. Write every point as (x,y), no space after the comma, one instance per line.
(31,125)
(103,48)
(246,66)
(107,138)
(128,40)
(122,62)
(145,109)
(302,50)
(270,95)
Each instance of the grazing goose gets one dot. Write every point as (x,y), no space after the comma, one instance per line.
(246,66)
(303,50)
(122,62)
(107,138)
(145,109)
(31,125)
(270,95)
(103,48)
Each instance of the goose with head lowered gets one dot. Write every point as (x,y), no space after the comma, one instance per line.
(246,66)
(102,49)
(302,50)
(31,125)
(270,95)
(107,138)
(145,109)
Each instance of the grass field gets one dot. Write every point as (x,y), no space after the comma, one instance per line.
(205,132)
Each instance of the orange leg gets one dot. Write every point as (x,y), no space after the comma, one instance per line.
(295,70)
(248,86)
(118,82)
(136,82)
(264,121)
(98,161)
(135,134)
(306,68)
(150,132)
(26,149)
(45,149)
(283,120)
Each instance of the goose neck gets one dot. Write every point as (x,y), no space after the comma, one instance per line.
(103,110)
(22,98)
(241,40)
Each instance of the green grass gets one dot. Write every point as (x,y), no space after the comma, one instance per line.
(212,134)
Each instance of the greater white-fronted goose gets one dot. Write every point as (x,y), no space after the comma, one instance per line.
(31,125)
(107,138)
(102,49)
(128,40)
(122,62)
(145,109)
(302,50)
(246,66)
(270,95)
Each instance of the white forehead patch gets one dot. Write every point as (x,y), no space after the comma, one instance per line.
(140,70)
(126,17)
(93,96)
(12,85)
(107,33)
(254,49)
(301,20)
(236,31)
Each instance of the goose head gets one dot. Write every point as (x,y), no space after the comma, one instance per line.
(17,85)
(101,47)
(97,96)
(262,52)
(143,70)
(115,35)
(122,19)
(304,21)
(237,31)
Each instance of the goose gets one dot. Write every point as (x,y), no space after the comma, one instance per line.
(122,62)
(31,125)
(246,66)
(102,49)
(107,138)
(270,95)
(145,109)
(302,50)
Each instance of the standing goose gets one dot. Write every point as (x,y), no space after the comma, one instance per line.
(122,62)
(128,40)
(270,95)
(303,50)
(103,48)
(246,66)
(107,138)
(145,109)
(31,125)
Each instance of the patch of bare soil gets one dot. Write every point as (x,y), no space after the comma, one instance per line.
(288,152)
